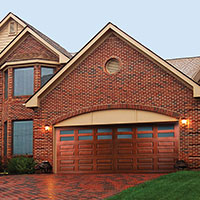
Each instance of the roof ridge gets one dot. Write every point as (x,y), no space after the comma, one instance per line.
(46,38)
(183,58)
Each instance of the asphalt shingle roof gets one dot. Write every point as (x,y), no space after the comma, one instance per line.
(189,66)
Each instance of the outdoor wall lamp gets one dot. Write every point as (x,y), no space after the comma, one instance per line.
(47,128)
(184,122)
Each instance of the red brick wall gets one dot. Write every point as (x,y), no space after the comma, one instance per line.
(30,48)
(140,84)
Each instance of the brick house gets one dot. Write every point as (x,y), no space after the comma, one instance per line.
(115,106)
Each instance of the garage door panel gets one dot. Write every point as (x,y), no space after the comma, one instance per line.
(145,151)
(119,148)
(66,146)
(125,167)
(67,168)
(166,150)
(105,152)
(166,143)
(166,160)
(67,162)
(145,167)
(124,145)
(104,145)
(67,153)
(104,161)
(85,153)
(145,160)
(105,168)
(145,144)
(166,167)
(125,160)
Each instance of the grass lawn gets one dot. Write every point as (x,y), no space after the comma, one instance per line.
(183,185)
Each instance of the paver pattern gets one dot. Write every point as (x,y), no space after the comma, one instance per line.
(69,187)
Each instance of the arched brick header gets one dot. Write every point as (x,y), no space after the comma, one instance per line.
(116,106)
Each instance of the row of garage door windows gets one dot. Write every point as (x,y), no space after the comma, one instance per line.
(122,133)
(23,135)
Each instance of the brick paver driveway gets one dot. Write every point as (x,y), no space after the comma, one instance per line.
(76,187)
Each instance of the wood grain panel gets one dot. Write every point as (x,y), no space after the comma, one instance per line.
(145,167)
(86,146)
(104,167)
(67,162)
(85,167)
(145,151)
(104,152)
(85,153)
(104,161)
(125,160)
(166,160)
(85,161)
(106,145)
(145,144)
(124,167)
(124,145)
(67,153)
(67,146)
(170,143)
(67,168)
(165,150)
(145,160)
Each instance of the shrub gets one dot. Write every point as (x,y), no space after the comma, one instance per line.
(21,165)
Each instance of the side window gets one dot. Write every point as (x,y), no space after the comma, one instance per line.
(23,137)
(6,84)
(46,74)
(23,81)
(5,139)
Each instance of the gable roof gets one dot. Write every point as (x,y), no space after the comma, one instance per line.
(34,100)
(43,38)
(189,66)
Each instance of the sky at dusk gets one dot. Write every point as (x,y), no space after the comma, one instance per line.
(170,28)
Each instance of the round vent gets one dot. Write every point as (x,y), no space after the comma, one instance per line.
(112,66)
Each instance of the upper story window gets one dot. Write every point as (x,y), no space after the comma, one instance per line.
(23,81)
(46,74)
(6,85)
(12,28)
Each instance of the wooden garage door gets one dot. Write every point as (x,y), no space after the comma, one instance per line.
(109,149)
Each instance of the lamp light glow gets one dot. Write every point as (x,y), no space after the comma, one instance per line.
(47,127)
(184,121)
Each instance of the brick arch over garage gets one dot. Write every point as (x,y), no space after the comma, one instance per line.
(161,111)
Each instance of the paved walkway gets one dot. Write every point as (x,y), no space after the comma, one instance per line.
(69,187)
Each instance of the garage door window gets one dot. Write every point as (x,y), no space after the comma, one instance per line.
(85,137)
(165,134)
(104,137)
(85,131)
(104,130)
(67,138)
(124,130)
(66,132)
(166,130)
(124,136)
(166,127)
(69,135)
(145,132)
